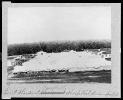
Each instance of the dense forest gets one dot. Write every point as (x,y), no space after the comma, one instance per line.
(32,48)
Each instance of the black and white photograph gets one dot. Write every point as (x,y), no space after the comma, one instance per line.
(59,45)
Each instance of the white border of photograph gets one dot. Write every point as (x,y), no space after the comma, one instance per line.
(70,90)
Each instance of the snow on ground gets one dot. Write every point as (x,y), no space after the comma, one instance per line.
(74,61)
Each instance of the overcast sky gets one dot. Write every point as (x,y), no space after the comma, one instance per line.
(34,24)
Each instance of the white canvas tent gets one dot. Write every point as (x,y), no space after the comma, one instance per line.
(66,60)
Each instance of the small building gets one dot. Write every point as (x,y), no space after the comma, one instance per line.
(72,51)
(66,50)
(105,54)
(101,52)
(41,53)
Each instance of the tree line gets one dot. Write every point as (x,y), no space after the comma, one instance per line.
(49,47)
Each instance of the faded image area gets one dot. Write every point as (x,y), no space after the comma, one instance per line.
(59,45)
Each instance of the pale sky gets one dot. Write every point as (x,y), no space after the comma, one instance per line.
(34,24)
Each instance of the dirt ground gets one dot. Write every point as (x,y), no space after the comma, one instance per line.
(103,76)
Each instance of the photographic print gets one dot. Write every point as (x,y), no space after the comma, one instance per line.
(61,50)
(59,45)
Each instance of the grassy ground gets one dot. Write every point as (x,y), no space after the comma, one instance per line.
(103,76)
